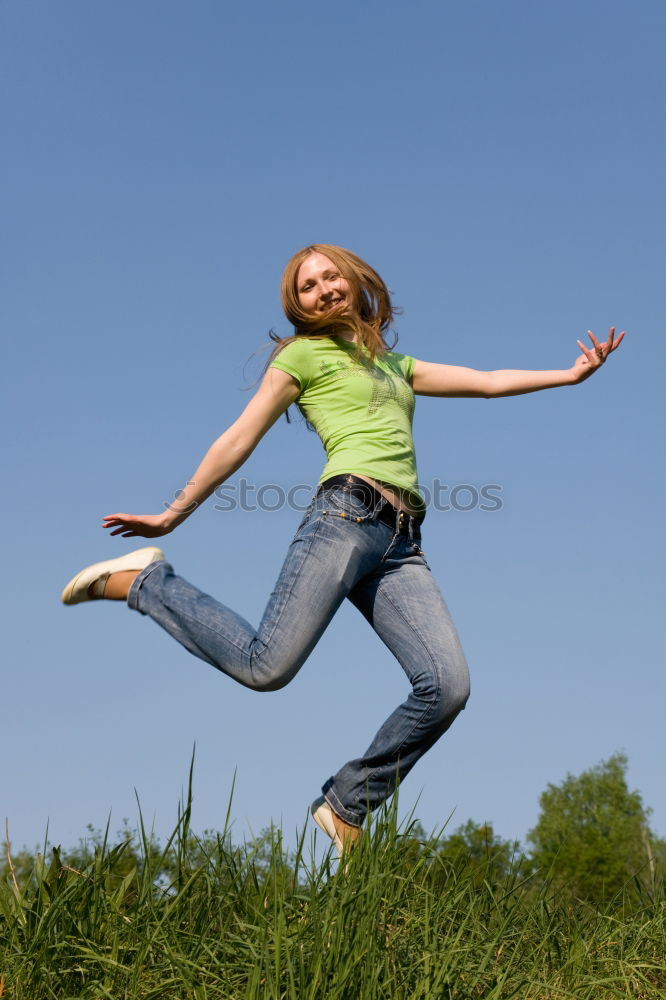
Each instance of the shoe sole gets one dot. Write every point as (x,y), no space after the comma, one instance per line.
(76,591)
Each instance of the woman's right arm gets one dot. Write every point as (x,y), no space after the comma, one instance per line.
(277,391)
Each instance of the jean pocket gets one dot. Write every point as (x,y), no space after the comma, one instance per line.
(351,503)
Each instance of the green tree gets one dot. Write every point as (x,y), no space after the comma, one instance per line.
(475,851)
(477,844)
(592,838)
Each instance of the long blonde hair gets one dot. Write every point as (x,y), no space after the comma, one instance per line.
(370,318)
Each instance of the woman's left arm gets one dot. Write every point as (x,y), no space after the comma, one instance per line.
(430,379)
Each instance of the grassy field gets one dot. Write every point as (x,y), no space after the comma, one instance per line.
(200,918)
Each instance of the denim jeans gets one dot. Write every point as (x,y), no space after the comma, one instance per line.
(339,551)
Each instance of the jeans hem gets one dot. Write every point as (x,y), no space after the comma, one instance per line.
(137,582)
(336,805)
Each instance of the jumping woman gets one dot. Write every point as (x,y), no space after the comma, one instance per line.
(360,538)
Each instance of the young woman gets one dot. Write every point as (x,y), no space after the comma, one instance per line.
(359,538)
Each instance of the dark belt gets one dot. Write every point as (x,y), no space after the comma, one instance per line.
(399,521)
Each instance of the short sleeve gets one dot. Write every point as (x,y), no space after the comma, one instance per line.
(295,359)
(405,363)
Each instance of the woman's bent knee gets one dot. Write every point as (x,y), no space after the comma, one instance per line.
(268,683)
(448,694)
(461,690)
(267,676)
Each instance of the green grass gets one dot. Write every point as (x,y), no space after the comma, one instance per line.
(200,918)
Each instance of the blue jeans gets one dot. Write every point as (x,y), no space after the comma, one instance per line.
(339,550)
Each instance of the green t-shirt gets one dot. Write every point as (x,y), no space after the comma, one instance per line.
(362,411)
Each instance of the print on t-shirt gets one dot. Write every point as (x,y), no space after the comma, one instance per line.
(384,389)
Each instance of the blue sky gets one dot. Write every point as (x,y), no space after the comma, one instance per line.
(501,165)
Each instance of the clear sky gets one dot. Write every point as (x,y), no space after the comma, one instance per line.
(502,166)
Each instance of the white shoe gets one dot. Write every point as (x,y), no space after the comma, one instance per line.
(76,590)
(343,835)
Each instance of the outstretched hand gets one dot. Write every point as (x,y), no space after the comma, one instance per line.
(593,357)
(138,525)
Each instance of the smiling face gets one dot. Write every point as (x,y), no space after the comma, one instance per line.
(321,287)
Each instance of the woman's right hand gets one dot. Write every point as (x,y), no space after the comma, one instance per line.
(139,525)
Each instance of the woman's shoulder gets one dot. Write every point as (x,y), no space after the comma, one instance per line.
(303,346)
(300,356)
(304,350)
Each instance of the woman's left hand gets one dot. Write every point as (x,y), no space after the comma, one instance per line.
(593,357)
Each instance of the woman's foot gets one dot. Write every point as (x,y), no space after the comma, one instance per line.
(114,588)
(110,579)
(343,835)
